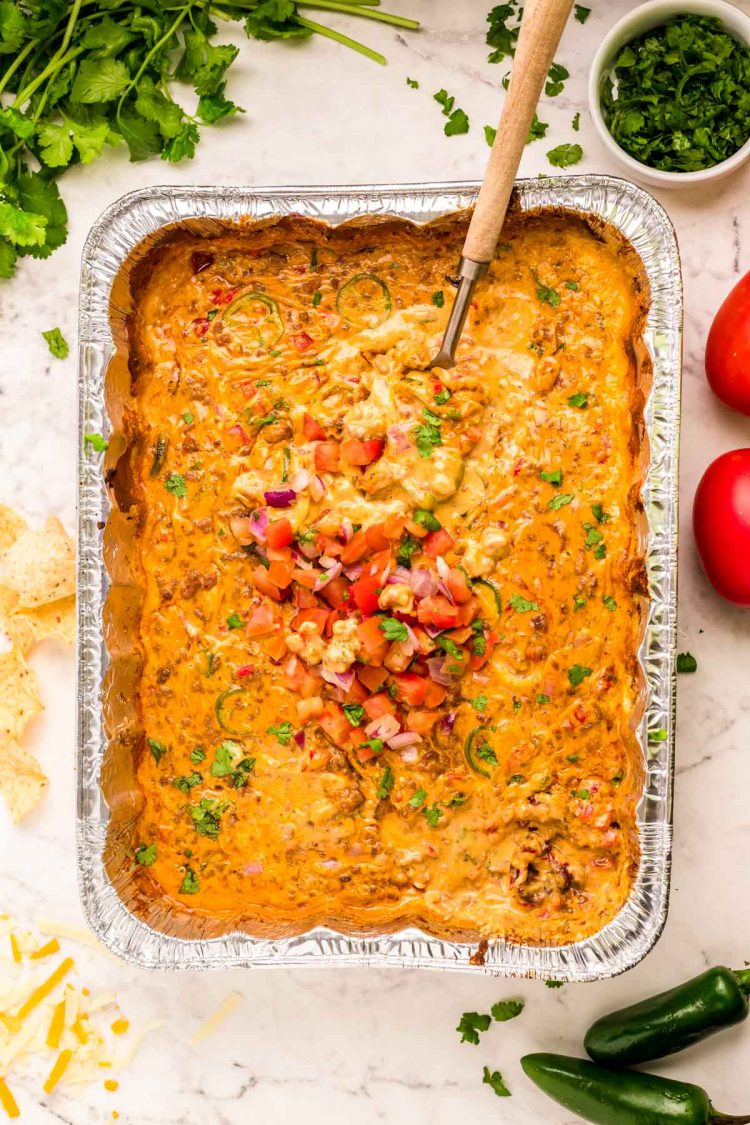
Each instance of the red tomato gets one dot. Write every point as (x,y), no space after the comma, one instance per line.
(279,534)
(262,582)
(355,549)
(336,593)
(327,456)
(312,430)
(378,705)
(411,689)
(437,543)
(437,611)
(721,524)
(362,452)
(280,573)
(460,590)
(363,593)
(728,349)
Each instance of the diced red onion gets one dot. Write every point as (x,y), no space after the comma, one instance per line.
(300,480)
(317,488)
(240,528)
(421,583)
(401,574)
(409,755)
(443,589)
(447,722)
(442,567)
(299,738)
(327,561)
(436,665)
(280,498)
(258,524)
(329,576)
(255,867)
(413,638)
(344,680)
(399,439)
(353,572)
(310,551)
(384,727)
(406,738)
(432,630)
(347,529)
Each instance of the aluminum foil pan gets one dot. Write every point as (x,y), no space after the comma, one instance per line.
(627,939)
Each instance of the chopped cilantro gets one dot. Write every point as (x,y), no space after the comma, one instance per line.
(413,83)
(457,123)
(393,630)
(56,342)
(188,782)
(486,753)
(506,1010)
(479,703)
(438,298)
(317,297)
(686,662)
(470,1024)
(554,983)
(418,799)
(406,549)
(283,732)
(537,131)
(593,535)
(542,699)
(190,884)
(581,13)
(600,552)
(577,674)
(207,816)
(426,519)
(555,83)
(355,713)
(609,602)
(386,783)
(158,749)
(573,286)
(547,294)
(442,397)
(579,399)
(96,441)
(555,477)
(600,514)
(188,418)
(198,754)
(146,854)
(175,483)
(564,155)
(234,621)
(560,500)
(495,1080)
(576,122)
(659,735)
(521,604)
(374,744)
(490,132)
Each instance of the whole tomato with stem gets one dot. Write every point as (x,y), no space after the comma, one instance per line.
(728,349)
(721,524)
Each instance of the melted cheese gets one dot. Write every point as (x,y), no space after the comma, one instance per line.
(540,843)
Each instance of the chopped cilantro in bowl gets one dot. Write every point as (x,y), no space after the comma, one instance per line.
(669,91)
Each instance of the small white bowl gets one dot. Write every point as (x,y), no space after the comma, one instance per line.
(643,18)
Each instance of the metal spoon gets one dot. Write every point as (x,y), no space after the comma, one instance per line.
(541,28)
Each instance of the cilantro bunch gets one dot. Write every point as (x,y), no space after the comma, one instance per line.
(79,76)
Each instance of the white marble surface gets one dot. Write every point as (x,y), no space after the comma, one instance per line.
(363,1046)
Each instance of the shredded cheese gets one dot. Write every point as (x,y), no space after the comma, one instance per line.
(7,1101)
(44,989)
(61,1065)
(57,1023)
(225,1009)
(45,950)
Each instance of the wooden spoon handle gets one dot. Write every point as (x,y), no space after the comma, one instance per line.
(541,28)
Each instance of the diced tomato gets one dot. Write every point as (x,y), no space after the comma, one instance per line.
(239,431)
(376,538)
(469,611)
(437,543)
(378,705)
(307,578)
(335,723)
(372,640)
(224,296)
(435,694)
(279,534)
(319,617)
(393,527)
(302,682)
(518,466)
(437,611)
(461,635)
(355,549)
(280,573)
(262,582)
(302,341)
(422,721)
(328,457)
(325,545)
(304,598)
(357,693)
(363,593)
(416,530)
(365,753)
(261,621)
(377,565)
(425,642)
(336,593)
(312,429)
(459,588)
(244,671)
(362,452)
(410,688)
(201,326)
(372,678)
(333,617)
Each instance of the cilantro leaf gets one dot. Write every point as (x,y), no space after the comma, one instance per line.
(547,294)
(432,815)
(97,442)
(426,519)
(283,732)
(686,662)
(579,400)
(495,1080)
(564,155)
(577,674)
(418,799)
(581,13)
(560,500)
(355,713)
(393,630)
(99,80)
(506,1010)
(456,124)
(386,783)
(145,854)
(553,477)
(556,80)
(56,343)
(537,130)
(190,883)
(175,483)
(470,1024)
(521,604)
(158,749)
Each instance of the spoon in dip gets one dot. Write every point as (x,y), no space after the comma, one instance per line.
(542,26)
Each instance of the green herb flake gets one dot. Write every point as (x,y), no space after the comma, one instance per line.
(486,754)
(234,621)
(542,699)
(206,816)
(419,798)
(556,78)
(386,783)
(600,515)
(576,122)
(97,442)
(609,602)
(175,483)
(548,295)
(158,749)
(580,13)
(428,435)
(145,854)
(580,400)
(283,732)
(537,130)
(490,132)
(479,703)
(190,884)
(495,1080)
(659,735)
(406,548)
(554,477)
(188,417)
(393,630)
(505,1010)
(198,754)
(554,983)
(432,815)
(521,604)
(560,500)
(457,124)
(56,342)
(577,674)
(564,155)
(686,662)
(470,1024)
(187,782)
(355,713)
(412,82)
(426,519)
(578,601)
(317,297)
(593,535)
(573,286)
(438,298)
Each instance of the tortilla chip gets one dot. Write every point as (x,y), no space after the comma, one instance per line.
(11,526)
(22,781)
(54,621)
(40,565)
(19,699)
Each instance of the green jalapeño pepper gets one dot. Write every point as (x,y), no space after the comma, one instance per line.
(672,1020)
(622,1097)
